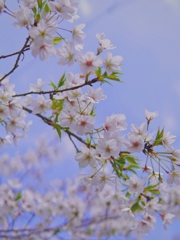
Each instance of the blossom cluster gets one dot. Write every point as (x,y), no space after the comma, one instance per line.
(118,193)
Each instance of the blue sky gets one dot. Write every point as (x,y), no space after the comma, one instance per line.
(147,36)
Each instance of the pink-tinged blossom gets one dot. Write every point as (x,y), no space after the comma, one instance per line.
(95,95)
(126,213)
(150,115)
(41,105)
(16,121)
(115,122)
(150,206)
(135,185)
(85,124)
(176,154)
(141,131)
(42,33)
(63,8)
(8,87)
(109,145)
(143,227)
(85,181)
(112,64)
(77,34)
(4,141)
(134,143)
(74,79)
(37,87)
(73,95)
(167,219)
(120,122)
(68,118)
(29,3)
(66,54)
(44,50)
(86,157)
(5,97)
(104,42)
(4,111)
(42,36)
(23,17)
(101,179)
(167,141)
(88,62)
(174,177)
(14,106)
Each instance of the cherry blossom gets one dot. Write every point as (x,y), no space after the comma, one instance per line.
(23,17)
(85,157)
(41,105)
(134,143)
(112,64)
(150,115)
(77,34)
(67,54)
(174,177)
(135,185)
(88,62)
(101,179)
(167,141)
(95,95)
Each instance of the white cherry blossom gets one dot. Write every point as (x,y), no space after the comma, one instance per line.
(41,105)
(135,185)
(77,34)
(112,64)
(88,62)
(167,141)
(23,17)
(87,156)
(95,95)
(134,143)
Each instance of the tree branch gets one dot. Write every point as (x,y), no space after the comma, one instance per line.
(89,83)
(51,123)
(17,59)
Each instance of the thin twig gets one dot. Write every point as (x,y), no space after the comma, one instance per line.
(21,52)
(59,91)
(15,53)
(51,123)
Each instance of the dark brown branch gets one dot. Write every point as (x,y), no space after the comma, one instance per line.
(51,123)
(21,52)
(15,53)
(89,83)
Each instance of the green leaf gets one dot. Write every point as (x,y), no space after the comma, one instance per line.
(113,76)
(98,72)
(62,80)
(53,85)
(130,159)
(46,7)
(40,4)
(57,40)
(34,10)
(136,207)
(58,129)
(152,189)
(159,136)
(56,231)
(18,197)
(128,194)
(131,166)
